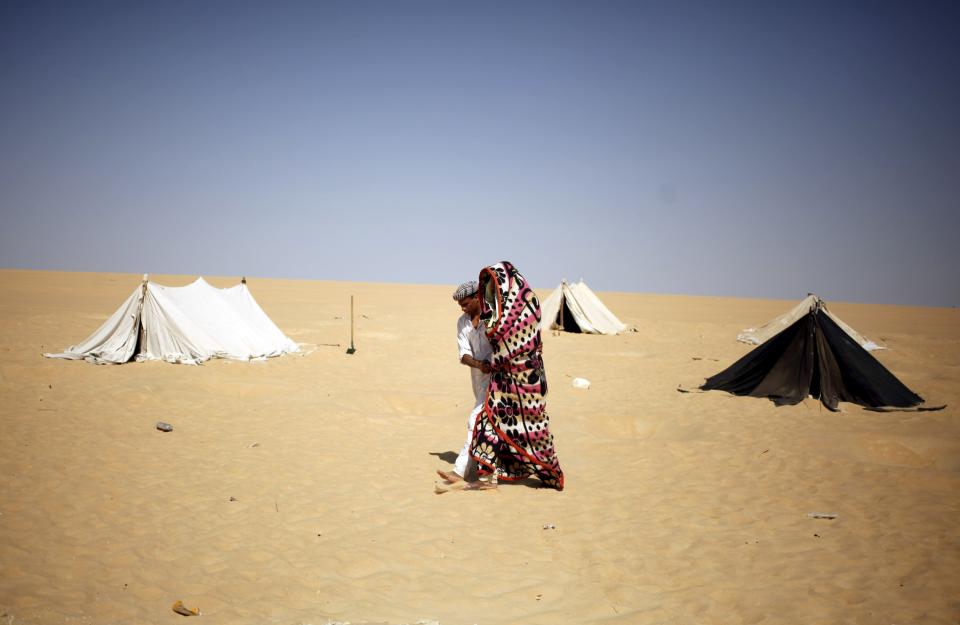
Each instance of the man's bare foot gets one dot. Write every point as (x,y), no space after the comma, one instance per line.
(449,476)
(445,487)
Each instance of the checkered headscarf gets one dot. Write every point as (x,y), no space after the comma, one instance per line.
(465,290)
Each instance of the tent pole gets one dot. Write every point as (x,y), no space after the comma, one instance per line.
(139,328)
(560,329)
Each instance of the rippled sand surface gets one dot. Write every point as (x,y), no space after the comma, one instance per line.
(301,489)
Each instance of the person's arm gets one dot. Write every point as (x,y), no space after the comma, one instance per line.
(470,361)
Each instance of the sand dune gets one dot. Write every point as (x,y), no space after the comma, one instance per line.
(300,490)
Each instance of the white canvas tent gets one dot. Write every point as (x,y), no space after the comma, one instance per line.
(187,325)
(574,307)
(756,336)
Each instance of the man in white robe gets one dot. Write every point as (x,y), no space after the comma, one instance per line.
(475,352)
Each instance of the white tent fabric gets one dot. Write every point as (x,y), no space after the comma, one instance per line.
(587,310)
(756,336)
(188,325)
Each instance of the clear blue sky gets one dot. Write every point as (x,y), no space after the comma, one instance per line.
(746,149)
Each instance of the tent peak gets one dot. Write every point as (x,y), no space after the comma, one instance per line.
(810,304)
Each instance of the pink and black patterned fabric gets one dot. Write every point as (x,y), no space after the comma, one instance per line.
(512,437)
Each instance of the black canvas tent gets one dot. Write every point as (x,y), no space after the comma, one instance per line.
(814,357)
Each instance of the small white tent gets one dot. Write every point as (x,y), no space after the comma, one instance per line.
(575,308)
(756,336)
(187,325)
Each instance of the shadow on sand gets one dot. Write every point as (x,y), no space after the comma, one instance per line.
(447,456)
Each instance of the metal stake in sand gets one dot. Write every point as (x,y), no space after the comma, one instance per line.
(352,349)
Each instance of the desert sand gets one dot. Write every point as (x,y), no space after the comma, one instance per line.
(301,489)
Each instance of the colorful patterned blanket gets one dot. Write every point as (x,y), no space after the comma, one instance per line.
(512,439)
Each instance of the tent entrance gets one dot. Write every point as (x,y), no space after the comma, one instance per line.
(141,341)
(566,320)
(815,379)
